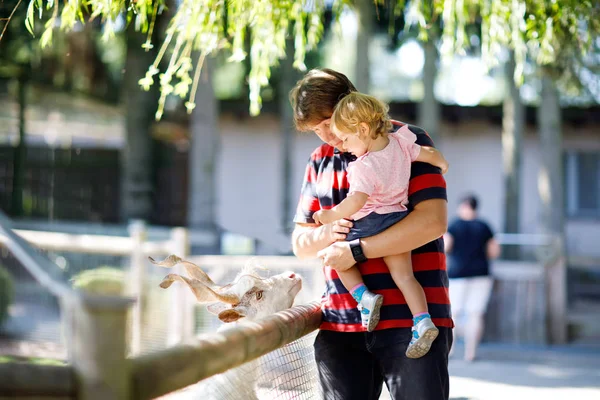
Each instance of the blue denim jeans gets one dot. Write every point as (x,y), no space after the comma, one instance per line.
(354,366)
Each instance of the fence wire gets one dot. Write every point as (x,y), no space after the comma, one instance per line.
(33,324)
(286,373)
(34,327)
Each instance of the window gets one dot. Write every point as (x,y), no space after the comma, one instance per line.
(583,184)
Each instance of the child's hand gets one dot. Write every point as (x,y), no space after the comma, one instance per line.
(324,217)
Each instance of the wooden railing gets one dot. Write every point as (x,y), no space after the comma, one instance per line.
(166,371)
(529,301)
(95,327)
(92,324)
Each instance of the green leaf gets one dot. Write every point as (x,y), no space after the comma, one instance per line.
(46,39)
(29,23)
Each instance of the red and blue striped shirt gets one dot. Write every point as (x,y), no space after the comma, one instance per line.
(326,185)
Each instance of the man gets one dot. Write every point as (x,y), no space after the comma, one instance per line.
(353,363)
(470,245)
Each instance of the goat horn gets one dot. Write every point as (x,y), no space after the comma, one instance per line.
(203,293)
(203,287)
(192,269)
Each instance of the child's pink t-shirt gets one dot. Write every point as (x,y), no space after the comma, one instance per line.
(384,174)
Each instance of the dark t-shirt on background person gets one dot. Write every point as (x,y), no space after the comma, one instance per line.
(468,256)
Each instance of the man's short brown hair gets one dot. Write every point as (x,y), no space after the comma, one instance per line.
(315,96)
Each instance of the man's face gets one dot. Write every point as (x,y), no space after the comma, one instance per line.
(323,131)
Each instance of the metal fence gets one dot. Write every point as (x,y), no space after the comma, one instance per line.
(83,184)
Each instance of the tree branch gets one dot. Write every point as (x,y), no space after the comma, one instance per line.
(8,19)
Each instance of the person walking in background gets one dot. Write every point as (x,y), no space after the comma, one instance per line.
(470,245)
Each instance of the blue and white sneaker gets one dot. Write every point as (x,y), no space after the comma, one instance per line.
(370,306)
(423,335)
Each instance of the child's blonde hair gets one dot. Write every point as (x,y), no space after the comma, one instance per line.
(355,108)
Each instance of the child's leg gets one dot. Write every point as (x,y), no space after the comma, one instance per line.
(424,331)
(351,278)
(400,267)
(369,303)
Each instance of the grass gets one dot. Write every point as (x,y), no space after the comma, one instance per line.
(32,360)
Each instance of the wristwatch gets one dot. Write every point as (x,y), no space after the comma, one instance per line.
(357,251)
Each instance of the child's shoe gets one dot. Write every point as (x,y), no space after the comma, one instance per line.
(424,333)
(370,306)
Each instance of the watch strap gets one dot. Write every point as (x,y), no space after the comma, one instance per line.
(357,251)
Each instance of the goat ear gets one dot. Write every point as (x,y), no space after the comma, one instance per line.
(230,315)
(217,308)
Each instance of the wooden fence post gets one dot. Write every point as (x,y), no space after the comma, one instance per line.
(137,273)
(97,347)
(181,310)
(556,278)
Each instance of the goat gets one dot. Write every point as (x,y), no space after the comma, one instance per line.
(249,296)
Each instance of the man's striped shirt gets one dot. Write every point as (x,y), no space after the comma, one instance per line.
(326,185)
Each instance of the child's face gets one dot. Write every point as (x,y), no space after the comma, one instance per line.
(351,142)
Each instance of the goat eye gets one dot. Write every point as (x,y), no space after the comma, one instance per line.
(259,295)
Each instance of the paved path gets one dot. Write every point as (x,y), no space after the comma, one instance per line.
(514,373)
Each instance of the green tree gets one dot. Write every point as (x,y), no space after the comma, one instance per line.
(137,157)
(365,11)
(555,36)
(197,30)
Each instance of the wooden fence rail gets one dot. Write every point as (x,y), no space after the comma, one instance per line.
(163,372)
(24,380)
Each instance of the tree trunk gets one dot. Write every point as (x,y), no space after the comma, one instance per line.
(551,189)
(429,109)
(550,180)
(513,122)
(137,183)
(287,80)
(202,162)
(20,152)
(364,10)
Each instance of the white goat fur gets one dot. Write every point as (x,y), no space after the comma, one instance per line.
(249,296)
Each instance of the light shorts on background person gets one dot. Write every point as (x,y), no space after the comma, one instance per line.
(470,295)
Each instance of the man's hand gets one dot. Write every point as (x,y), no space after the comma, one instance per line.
(325,217)
(337,256)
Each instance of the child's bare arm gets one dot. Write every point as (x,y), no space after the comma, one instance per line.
(433,156)
(349,206)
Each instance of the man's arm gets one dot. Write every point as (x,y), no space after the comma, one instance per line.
(433,156)
(448,242)
(308,239)
(427,222)
(492,249)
